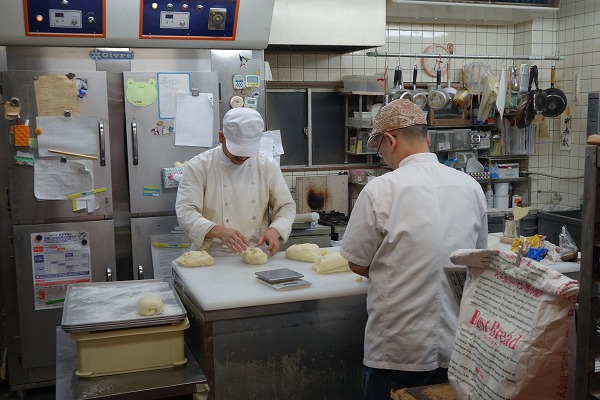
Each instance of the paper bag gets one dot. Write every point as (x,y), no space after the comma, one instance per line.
(516,336)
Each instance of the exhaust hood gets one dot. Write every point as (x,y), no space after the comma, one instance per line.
(332,26)
(206,24)
(498,12)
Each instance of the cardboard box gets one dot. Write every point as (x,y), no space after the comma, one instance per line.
(130,350)
(507,171)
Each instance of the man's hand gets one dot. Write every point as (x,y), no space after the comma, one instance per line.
(273,240)
(233,239)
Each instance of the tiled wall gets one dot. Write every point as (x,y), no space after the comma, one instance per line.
(572,34)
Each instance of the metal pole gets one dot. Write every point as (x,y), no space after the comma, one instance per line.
(477,57)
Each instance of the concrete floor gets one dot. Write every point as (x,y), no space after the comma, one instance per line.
(48,393)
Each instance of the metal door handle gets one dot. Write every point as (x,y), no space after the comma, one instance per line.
(134,142)
(102,144)
(108,275)
(140,272)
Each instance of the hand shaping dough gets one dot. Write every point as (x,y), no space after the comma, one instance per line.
(254,256)
(195,259)
(308,252)
(149,305)
(329,263)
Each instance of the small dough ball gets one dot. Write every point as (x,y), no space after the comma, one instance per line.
(195,259)
(254,256)
(177,164)
(331,263)
(150,305)
(307,252)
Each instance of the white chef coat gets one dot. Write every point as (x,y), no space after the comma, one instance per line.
(215,191)
(404,225)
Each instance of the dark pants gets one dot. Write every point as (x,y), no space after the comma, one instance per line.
(377,383)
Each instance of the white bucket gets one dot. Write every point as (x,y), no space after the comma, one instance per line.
(501,201)
(501,189)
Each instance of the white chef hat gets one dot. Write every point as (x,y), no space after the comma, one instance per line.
(243,128)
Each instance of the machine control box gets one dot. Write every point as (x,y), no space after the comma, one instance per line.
(65,18)
(182,19)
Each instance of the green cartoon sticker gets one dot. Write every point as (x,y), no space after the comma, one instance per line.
(141,93)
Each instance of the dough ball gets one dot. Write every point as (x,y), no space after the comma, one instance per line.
(150,305)
(254,256)
(330,263)
(307,252)
(195,259)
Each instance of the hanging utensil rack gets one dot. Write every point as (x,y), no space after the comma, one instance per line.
(465,56)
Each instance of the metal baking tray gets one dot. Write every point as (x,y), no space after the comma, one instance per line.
(103,306)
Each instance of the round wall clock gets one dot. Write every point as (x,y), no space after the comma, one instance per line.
(430,64)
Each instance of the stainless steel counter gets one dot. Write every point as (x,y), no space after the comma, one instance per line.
(306,349)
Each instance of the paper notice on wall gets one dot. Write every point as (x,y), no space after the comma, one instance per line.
(55,180)
(516,329)
(194,120)
(169,85)
(165,249)
(270,143)
(59,259)
(566,126)
(71,134)
(55,94)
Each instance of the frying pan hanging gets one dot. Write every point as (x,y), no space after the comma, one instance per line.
(556,101)
(539,95)
(438,98)
(419,97)
(402,93)
(525,112)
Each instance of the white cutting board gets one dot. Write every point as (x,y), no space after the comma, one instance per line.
(230,283)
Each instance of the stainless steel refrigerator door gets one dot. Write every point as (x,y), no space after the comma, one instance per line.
(25,208)
(142,230)
(151,147)
(37,327)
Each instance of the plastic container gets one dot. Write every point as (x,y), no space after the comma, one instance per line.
(461,139)
(355,83)
(501,189)
(130,350)
(357,176)
(501,202)
(489,196)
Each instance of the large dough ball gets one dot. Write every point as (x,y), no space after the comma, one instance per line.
(195,259)
(331,263)
(307,252)
(254,256)
(150,305)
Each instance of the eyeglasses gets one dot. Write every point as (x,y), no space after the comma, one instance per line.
(382,137)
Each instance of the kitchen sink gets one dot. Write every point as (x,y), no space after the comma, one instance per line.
(550,224)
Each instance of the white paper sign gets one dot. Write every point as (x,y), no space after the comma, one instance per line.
(55,180)
(72,134)
(168,87)
(194,120)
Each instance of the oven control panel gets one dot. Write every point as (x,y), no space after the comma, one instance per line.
(69,18)
(187,19)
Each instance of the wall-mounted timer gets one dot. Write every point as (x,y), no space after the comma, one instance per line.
(238,82)
(252,81)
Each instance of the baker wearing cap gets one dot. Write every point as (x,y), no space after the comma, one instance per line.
(231,196)
(402,230)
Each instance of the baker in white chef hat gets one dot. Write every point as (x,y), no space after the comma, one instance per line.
(231,195)
(240,137)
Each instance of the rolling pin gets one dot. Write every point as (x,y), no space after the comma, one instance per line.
(307,217)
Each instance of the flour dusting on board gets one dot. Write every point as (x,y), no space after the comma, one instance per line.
(111,305)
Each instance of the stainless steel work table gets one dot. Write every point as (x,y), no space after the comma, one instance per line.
(253,341)
(155,384)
